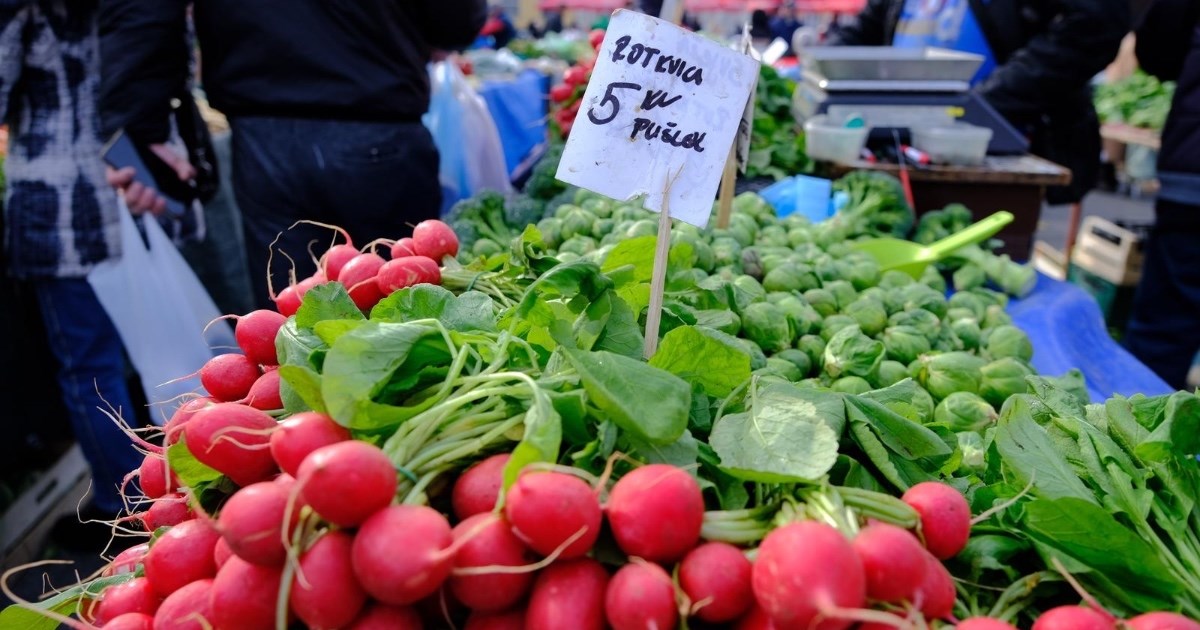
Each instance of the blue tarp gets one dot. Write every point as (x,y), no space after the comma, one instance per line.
(1068,331)
(518,107)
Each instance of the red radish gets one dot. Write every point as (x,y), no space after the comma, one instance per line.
(346,482)
(489,543)
(239,451)
(188,608)
(716,579)
(130,621)
(229,377)
(284,479)
(985,623)
(255,333)
(134,596)
(335,258)
(358,276)
(301,434)
(127,561)
(655,512)
(252,522)
(167,511)
(264,393)
(400,555)
(434,239)
(893,561)
(329,595)
(478,488)
(243,595)
(508,620)
(945,517)
(803,571)
(546,509)
(182,555)
(403,247)
(1161,621)
(380,617)
(561,92)
(221,553)
(568,594)
(935,596)
(174,427)
(404,272)
(1074,618)
(155,477)
(756,619)
(641,596)
(288,301)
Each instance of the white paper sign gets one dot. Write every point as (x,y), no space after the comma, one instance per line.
(659,114)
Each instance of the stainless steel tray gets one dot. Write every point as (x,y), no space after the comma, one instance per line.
(884,63)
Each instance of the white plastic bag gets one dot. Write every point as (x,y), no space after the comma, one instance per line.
(472,157)
(160,309)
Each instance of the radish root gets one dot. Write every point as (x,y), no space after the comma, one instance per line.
(27,605)
(494,569)
(1078,588)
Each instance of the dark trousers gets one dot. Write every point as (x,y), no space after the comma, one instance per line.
(1164,328)
(376,180)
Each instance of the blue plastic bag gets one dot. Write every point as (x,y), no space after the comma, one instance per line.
(807,196)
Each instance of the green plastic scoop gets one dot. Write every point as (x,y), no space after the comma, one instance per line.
(912,258)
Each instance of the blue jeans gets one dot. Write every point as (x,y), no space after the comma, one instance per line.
(92,365)
(375,179)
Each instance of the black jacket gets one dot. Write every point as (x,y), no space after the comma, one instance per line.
(335,59)
(1046,53)
(1168,46)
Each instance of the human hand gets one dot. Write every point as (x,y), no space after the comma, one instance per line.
(140,198)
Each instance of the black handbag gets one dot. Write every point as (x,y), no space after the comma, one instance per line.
(193,130)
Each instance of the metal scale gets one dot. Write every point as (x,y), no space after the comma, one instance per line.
(897,89)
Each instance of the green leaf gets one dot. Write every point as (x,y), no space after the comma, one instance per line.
(682,453)
(644,401)
(1028,454)
(899,434)
(467,312)
(542,438)
(326,301)
(907,399)
(305,385)
(1179,433)
(330,330)
(190,471)
(578,278)
(622,335)
(636,252)
(298,346)
(787,436)
(65,603)
(699,359)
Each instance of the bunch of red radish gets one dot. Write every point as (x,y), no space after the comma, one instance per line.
(566,97)
(369,277)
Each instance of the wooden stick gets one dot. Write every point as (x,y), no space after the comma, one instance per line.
(658,279)
(728,178)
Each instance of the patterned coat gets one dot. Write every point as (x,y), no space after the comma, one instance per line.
(60,213)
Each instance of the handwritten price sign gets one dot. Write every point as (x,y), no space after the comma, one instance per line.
(658,117)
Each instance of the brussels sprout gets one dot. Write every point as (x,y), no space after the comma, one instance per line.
(971,445)
(562,211)
(863,274)
(995,317)
(919,296)
(577,222)
(843,292)
(810,383)
(775,297)
(947,341)
(750,287)
(839,249)
(822,301)
(809,253)
(890,373)
(551,229)
(1003,378)
(799,236)
(892,279)
(788,277)
(579,245)
(1008,341)
(955,313)
(869,314)
(644,227)
(785,368)
(799,359)
(742,235)
(751,263)
(774,235)
(905,343)
(813,346)
(851,353)
(921,319)
(968,332)
(767,376)
(727,251)
(485,247)
(969,276)
(628,213)
(944,374)
(873,293)
(725,321)
(691,277)
(964,411)
(603,227)
(567,257)
(968,300)
(745,222)
(801,316)
(705,258)
(933,279)
(851,385)
(833,324)
(827,270)
(598,206)
(766,325)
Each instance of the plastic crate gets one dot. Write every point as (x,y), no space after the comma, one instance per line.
(25,525)
(1109,251)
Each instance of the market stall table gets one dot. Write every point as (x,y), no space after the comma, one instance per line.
(1014,183)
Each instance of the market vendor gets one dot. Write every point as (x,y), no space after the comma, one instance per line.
(325,102)
(1039,60)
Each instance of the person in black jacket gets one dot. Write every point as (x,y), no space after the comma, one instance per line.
(1164,328)
(1041,57)
(324,99)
